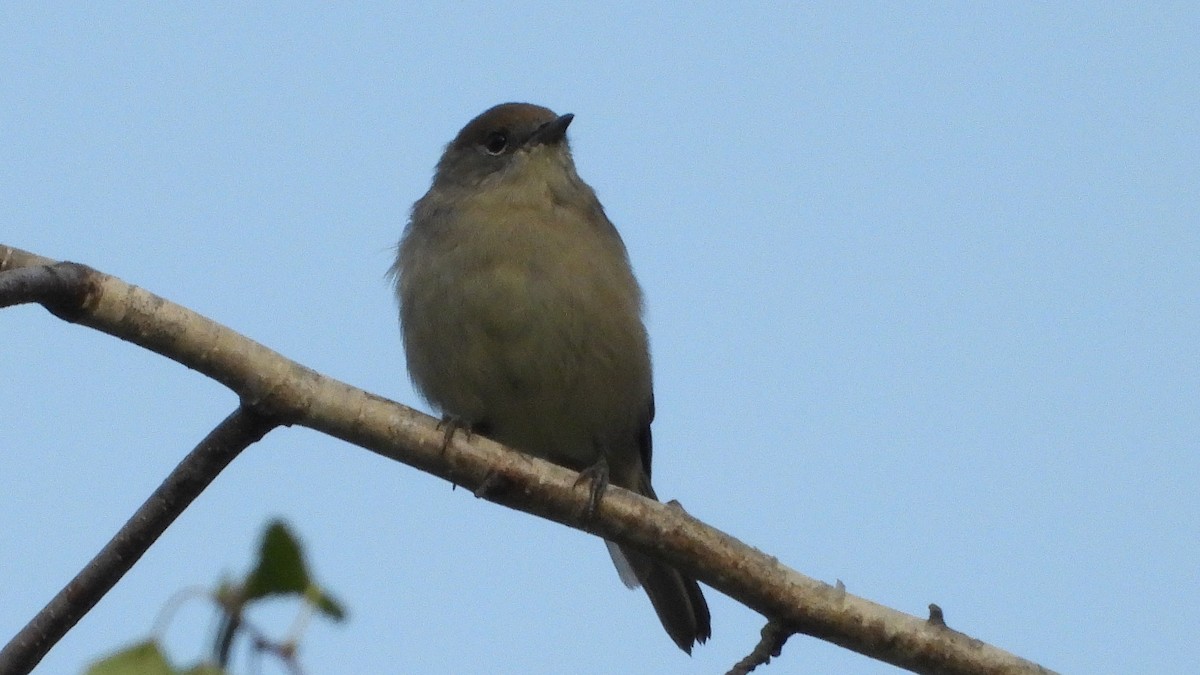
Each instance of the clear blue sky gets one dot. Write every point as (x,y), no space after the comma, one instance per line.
(923,284)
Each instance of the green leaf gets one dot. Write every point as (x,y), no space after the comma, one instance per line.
(280,569)
(141,659)
(326,604)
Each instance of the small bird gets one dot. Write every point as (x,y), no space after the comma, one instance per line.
(522,321)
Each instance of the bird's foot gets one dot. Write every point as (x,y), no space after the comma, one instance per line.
(449,425)
(597,476)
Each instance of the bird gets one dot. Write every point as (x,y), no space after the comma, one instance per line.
(522,320)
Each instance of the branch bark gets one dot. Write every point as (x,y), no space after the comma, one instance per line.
(277,388)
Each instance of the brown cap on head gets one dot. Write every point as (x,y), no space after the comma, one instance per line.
(486,144)
(511,117)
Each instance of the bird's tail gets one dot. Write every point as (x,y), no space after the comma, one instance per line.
(676,598)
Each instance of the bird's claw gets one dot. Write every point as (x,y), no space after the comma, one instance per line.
(597,475)
(449,425)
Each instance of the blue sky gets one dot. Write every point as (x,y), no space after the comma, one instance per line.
(923,285)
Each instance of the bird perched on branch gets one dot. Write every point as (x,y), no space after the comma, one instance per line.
(522,320)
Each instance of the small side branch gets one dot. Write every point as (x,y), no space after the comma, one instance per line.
(774,635)
(58,287)
(179,490)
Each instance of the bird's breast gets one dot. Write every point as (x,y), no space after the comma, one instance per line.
(531,323)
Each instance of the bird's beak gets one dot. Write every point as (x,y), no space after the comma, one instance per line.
(553,131)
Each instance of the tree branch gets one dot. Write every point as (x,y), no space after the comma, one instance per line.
(152,518)
(770,646)
(276,387)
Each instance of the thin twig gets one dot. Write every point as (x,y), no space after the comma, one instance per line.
(774,634)
(181,487)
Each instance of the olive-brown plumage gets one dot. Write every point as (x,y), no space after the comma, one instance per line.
(522,318)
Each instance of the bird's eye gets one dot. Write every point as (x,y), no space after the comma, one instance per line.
(496,142)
